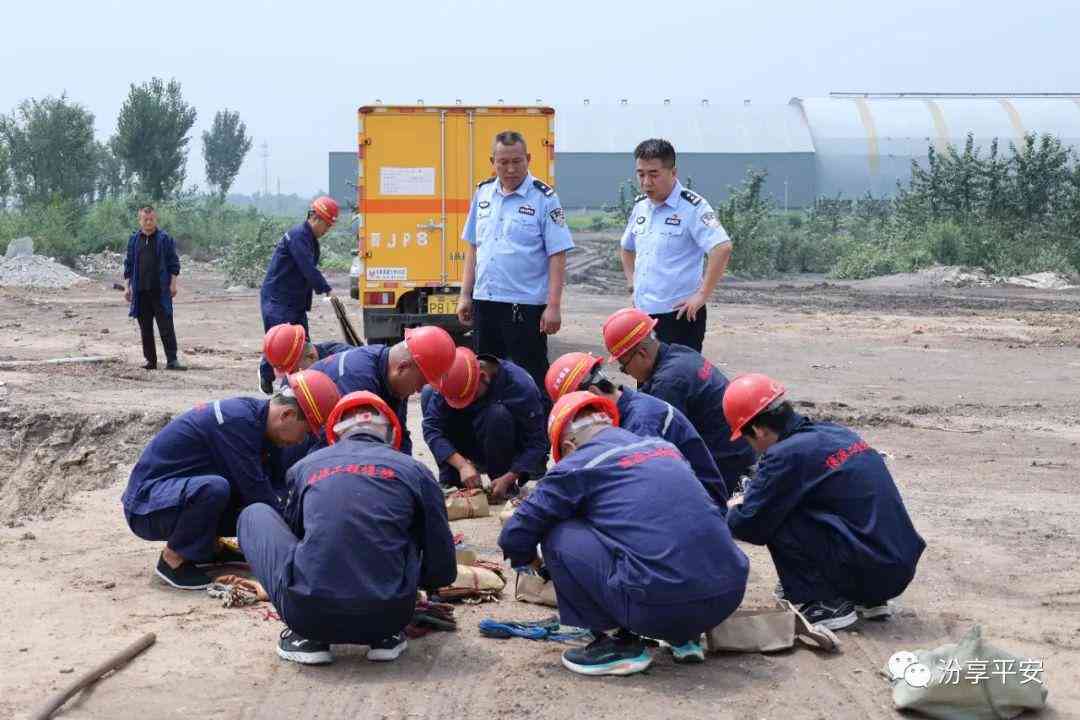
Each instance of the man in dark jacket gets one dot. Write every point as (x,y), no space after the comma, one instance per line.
(293,274)
(682,377)
(825,505)
(150,268)
(364,527)
(486,417)
(641,414)
(629,556)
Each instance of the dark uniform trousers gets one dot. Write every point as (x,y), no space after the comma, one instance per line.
(150,310)
(511,331)
(680,330)
(191,529)
(490,443)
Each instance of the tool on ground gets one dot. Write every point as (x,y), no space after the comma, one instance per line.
(115,662)
(348,332)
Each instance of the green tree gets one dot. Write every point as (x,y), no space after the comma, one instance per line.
(114,179)
(152,136)
(5,173)
(52,152)
(224,148)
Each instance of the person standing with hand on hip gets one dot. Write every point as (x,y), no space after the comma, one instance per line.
(669,231)
(151,268)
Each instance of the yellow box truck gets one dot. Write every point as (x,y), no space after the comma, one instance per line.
(418,168)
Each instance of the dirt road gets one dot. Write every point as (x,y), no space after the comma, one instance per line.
(972,394)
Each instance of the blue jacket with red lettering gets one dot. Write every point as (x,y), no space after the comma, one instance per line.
(225,438)
(830,476)
(293,274)
(366,368)
(670,543)
(695,387)
(514,388)
(648,416)
(372,526)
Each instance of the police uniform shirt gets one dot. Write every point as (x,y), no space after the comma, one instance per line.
(514,234)
(668,240)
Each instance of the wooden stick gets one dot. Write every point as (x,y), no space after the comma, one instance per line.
(55,361)
(88,678)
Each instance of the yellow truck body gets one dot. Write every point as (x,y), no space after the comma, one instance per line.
(418,169)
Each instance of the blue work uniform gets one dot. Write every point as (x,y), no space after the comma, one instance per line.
(196,475)
(503,431)
(647,416)
(514,235)
(696,388)
(323,350)
(826,506)
(626,551)
(367,368)
(364,527)
(168,264)
(291,278)
(669,241)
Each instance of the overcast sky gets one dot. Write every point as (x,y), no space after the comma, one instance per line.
(297,71)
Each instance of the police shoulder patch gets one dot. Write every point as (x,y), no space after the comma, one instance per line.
(544,187)
(691,197)
(640,197)
(485,182)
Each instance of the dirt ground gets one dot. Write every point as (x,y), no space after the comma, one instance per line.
(973,395)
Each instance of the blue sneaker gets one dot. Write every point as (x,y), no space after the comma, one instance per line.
(689,653)
(622,654)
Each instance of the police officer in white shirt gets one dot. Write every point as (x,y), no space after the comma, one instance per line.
(515,261)
(669,230)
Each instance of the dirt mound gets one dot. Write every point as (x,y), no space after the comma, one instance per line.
(36,271)
(45,457)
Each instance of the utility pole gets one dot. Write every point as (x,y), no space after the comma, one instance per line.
(266,167)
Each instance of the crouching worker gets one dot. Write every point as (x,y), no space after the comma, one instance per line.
(364,527)
(639,413)
(824,504)
(205,466)
(286,349)
(485,417)
(629,556)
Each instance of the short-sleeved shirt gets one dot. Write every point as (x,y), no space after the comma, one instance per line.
(669,241)
(514,234)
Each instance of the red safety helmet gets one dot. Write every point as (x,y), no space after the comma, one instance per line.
(568,407)
(316,393)
(283,347)
(358,399)
(625,329)
(567,373)
(326,208)
(432,350)
(745,397)
(461,382)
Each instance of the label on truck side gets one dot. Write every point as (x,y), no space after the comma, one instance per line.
(407,181)
(376,274)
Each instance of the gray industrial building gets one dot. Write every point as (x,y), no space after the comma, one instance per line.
(845,144)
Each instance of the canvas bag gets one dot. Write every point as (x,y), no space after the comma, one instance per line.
(997,698)
(467,504)
(480,582)
(534,589)
(769,630)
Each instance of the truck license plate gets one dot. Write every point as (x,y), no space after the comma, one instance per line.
(442,304)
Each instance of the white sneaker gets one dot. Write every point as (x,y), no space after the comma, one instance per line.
(882,611)
(387,649)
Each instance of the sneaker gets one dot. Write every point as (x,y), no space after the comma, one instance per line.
(832,614)
(267,386)
(387,649)
(185,577)
(778,591)
(301,650)
(881,611)
(150,366)
(175,365)
(622,654)
(688,653)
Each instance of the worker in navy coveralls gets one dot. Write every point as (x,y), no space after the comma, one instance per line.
(630,539)
(485,417)
(683,378)
(669,231)
(286,349)
(825,505)
(515,261)
(364,527)
(641,414)
(195,476)
(293,274)
(151,267)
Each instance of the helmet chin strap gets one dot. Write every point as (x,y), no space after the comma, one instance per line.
(365,423)
(583,421)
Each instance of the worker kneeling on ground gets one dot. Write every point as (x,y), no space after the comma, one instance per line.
(205,466)
(287,349)
(364,526)
(485,417)
(683,378)
(393,372)
(629,556)
(639,413)
(825,505)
